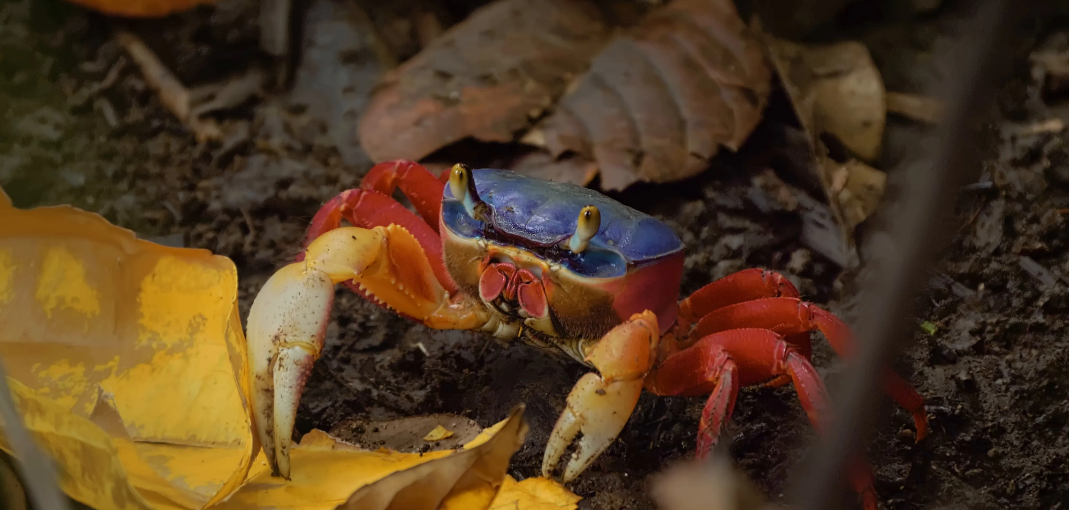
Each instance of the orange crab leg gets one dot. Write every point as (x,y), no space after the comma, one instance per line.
(721,363)
(601,403)
(421,187)
(289,316)
(791,316)
(369,209)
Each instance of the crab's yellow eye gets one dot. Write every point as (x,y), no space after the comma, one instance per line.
(462,186)
(585,228)
(459,177)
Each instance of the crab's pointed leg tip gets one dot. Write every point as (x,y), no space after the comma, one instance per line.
(564,432)
(599,410)
(284,335)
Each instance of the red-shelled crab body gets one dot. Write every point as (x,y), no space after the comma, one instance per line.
(555,265)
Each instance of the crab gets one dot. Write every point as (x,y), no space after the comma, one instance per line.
(558,266)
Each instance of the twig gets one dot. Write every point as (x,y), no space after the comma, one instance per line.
(173,95)
(922,230)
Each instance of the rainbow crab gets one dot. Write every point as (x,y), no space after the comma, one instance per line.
(555,265)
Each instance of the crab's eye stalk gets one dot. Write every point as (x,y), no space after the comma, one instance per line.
(462,185)
(585,227)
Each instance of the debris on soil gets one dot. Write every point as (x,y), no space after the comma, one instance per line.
(479,469)
(1054,125)
(486,78)
(660,100)
(439,433)
(1052,69)
(409,434)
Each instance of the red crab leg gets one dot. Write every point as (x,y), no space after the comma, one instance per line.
(421,187)
(739,287)
(369,209)
(791,316)
(734,288)
(722,362)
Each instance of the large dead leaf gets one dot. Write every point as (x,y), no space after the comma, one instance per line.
(126,361)
(141,8)
(660,99)
(87,308)
(835,89)
(486,78)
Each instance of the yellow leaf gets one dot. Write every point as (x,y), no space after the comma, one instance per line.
(88,463)
(86,306)
(127,362)
(327,473)
(534,494)
(439,433)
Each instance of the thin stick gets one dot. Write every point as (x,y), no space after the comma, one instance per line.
(923,227)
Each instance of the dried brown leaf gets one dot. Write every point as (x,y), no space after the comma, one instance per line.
(856,187)
(834,89)
(541,165)
(486,77)
(660,99)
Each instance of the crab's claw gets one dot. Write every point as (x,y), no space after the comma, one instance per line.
(600,405)
(289,316)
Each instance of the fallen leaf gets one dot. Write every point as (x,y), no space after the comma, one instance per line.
(89,465)
(439,433)
(659,101)
(126,362)
(542,165)
(327,472)
(409,434)
(534,494)
(141,8)
(836,89)
(856,187)
(486,77)
(87,307)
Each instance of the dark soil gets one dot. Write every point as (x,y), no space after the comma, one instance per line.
(993,371)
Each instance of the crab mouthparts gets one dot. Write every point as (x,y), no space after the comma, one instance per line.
(503,281)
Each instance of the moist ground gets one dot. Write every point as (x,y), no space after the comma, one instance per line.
(993,370)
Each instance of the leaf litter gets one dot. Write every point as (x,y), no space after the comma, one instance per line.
(485,78)
(126,360)
(660,100)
